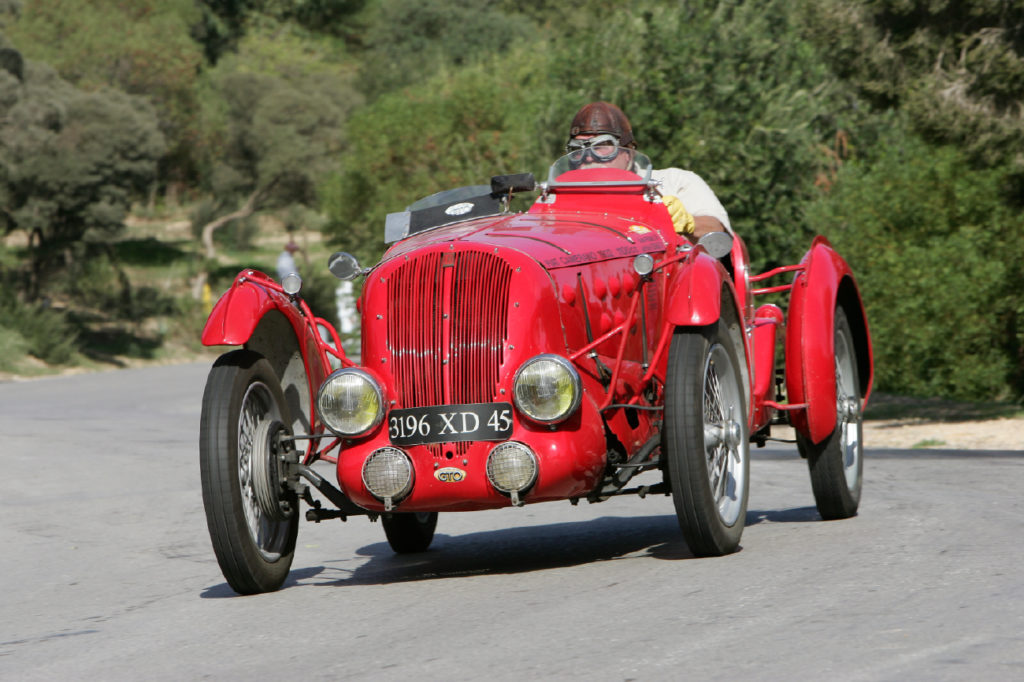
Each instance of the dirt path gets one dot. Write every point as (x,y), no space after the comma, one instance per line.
(983,434)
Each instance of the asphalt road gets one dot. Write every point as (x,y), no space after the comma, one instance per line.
(107,571)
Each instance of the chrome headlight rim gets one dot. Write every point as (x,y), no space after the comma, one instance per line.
(371,381)
(577,386)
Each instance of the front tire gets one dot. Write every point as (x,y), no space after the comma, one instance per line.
(411,532)
(837,463)
(706,442)
(243,402)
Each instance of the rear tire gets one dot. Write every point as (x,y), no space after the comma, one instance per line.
(837,463)
(254,549)
(706,443)
(411,532)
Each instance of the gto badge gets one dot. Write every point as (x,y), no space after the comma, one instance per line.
(450,475)
(459,209)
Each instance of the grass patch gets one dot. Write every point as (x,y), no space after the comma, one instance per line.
(927,443)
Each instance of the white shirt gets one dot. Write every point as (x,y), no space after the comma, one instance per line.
(696,195)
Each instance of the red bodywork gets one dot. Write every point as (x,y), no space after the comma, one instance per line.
(450,315)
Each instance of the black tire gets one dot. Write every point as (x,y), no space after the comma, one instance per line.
(254,550)
(409,532)
(837,463)
(707,439)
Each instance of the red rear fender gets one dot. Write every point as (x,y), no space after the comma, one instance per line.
(825,284)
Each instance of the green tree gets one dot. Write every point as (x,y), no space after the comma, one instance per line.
(142,48)
(273,115)
(954,66)
(409,40)
(938,259)
(71,163)
(223,23)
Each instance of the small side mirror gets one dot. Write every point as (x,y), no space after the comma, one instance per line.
(344,266)
(517,182)
(717,244)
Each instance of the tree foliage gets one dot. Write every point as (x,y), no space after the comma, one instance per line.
(938,261)
(813,117)
(222,24)
(141,48)
(71,161)
(274,120)
(409,40)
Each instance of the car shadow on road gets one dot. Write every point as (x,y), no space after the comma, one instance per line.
(797,515)
(515,550)
(518,550)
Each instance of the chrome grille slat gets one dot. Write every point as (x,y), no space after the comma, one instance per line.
(472,287)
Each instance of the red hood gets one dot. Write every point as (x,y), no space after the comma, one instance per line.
(553,239)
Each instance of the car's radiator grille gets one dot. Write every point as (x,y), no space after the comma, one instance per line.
(447,327)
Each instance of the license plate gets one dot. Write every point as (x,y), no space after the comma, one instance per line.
(450,423)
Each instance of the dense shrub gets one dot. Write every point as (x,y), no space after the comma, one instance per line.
(35,329)
(938,260)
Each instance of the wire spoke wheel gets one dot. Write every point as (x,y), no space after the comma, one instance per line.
(258,412)
(837,462)
(243,407)
(706,439)
(722,435)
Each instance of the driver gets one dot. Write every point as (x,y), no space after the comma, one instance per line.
(597,132)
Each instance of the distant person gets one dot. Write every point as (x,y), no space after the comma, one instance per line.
(286,260)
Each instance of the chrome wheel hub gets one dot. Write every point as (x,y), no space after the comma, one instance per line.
(848,412)
(268,534)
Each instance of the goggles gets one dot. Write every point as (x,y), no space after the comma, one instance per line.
(599,149)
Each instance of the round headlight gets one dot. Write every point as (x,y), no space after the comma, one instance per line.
(350,402)
(547,388)
(387,474)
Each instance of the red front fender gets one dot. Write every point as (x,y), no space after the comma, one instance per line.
(235,316)
(243,308)
(695,293)
(825,283)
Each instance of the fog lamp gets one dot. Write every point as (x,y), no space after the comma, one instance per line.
(350,402)
(547,388)
(512,468)
(387,474)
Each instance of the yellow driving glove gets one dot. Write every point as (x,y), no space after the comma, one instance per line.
(681,218)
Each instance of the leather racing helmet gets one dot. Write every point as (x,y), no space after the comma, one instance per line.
(602,118)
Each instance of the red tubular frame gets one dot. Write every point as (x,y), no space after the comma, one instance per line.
(773,273)
(628,323)
(324,349)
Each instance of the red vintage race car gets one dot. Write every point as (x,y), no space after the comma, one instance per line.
(510,357)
